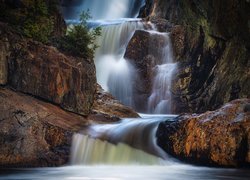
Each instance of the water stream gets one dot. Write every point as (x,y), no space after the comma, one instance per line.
(126,149)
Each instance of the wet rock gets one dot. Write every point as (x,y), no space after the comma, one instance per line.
(161,24)
(34,133)
(178,41)
(218,138)
(107,109)
(144,51)
(211,47)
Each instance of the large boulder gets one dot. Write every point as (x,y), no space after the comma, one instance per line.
(220,138)
(43,71)
(34,133)
(144,52)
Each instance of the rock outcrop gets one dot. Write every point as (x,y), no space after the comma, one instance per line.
(144,52)
(44,72)
(45,97)
(220,138)
(211,45)
(34,133)
(106,108)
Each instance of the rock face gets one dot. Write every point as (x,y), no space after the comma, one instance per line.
(106,108)
(44,72)
(144,51)
(220,137)
(4,53)
(34,133)
(211,44)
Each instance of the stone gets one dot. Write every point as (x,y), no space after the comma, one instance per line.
(213,45)
(46,73)
(35,133)
(107,109)
(4,54)
(144,53)
(217,138)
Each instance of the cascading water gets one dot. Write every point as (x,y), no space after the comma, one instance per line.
(160,99)
(115,74)
(102,9)
(106,143)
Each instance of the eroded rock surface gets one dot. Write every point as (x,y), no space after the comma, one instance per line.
(34,133)
(211,45)
(144,52)
(106,108)
(43,71)
(220,137)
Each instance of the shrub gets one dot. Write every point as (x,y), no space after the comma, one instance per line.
(37,24)
(79,40)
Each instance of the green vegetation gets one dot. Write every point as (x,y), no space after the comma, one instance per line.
(37,24)
(35,19)
(31,18)
(79,40)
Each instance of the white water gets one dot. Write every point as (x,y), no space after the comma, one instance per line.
(139,133)
(102,9)
(136,132)
(160,98)
(133,172)
(114,73)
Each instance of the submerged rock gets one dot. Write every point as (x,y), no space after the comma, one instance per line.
(219,138)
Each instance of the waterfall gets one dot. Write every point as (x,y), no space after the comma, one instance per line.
(159,101)
(89,151)
(116,143)
(102,9)
(114,73)
(131,141)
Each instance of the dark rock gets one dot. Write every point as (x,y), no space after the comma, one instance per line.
(144,52)
(211,47)
(219,138)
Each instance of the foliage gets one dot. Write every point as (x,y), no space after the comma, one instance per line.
(38,24)
(32,18)
(79,40)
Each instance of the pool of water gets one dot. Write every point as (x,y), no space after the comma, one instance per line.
(104,172)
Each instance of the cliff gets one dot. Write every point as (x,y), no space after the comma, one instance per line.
(211,45)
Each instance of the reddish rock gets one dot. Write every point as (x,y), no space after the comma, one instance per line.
(33,132)
(106,108)
(220,138)
(44,72)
